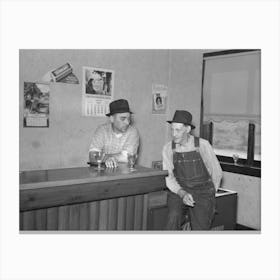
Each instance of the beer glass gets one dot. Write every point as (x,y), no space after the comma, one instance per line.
(131,158)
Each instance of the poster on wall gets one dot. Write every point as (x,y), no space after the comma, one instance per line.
(62,74)
(159,99)
(98,89)
(36,104)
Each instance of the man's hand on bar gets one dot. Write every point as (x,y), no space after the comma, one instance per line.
(111,162)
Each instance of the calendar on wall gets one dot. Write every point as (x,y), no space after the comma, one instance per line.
(96,107)
(36,105)
(98,85)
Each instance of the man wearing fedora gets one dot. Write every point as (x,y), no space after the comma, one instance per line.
(118,138)
(194,176)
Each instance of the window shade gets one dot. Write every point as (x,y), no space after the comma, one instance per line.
(232,86)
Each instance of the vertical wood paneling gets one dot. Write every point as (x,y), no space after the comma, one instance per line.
(41,219)
(74,216)
(138,212)
(84,216)
(63,217)
(103,215)
(113,214)
(52,218)
(124,213)
(145,212)
(121,213)
(94,215)
(28,220)
(130,213)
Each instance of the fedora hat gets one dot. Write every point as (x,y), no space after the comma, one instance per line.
(119,106)
(184,117)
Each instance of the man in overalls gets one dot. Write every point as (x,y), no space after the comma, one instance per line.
(194,176)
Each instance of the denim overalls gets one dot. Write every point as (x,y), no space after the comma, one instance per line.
(192,175)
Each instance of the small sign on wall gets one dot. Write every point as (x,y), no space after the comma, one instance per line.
(159,99)
(36,105)
(62,74)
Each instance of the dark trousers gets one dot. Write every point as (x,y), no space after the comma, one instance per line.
(201,215)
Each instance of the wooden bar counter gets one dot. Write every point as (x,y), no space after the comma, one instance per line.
(86,199)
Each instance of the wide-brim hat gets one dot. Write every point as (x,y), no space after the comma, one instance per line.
(184,117)
(119,106)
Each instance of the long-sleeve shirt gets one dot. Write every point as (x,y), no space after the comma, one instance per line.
(208,156)
(112,143)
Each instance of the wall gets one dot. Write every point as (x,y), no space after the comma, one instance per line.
(65,143)
(249,198)
(185,83)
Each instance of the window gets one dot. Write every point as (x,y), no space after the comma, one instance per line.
(231,115)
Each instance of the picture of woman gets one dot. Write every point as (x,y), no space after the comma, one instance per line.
(158,102)
(98,82)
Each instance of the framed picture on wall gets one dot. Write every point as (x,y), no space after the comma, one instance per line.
(98,89)
(36,105)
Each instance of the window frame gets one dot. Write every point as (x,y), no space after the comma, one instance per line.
(245,166)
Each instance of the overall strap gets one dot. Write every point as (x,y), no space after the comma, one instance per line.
(196,143)
(173,146)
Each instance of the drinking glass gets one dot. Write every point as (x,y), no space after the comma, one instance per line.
(98,156)
(235,158)
(131,158)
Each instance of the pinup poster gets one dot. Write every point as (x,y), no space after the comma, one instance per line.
(36,105)
(98,86)
(159,99)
